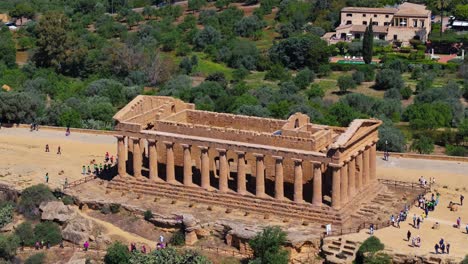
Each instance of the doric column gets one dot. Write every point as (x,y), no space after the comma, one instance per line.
(279,178)
(121,155)
(359,184)
(260,175)
(170,170)
(352,177)
(223,171)
(336,185)
(187,164)
(317,183)
(241,181)
(137,158)
(153,160)
(205,168)
(344,184)
(372,161)
(365,166)
(298,175)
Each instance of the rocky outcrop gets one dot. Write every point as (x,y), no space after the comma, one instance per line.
(56,211)
(78,230)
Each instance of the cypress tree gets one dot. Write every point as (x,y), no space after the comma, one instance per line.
(368,44)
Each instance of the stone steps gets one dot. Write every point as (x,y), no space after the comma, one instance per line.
(228,200)
(339,251)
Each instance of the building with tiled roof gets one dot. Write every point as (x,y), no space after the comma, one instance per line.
(396,24)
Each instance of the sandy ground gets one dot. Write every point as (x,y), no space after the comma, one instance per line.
(23,162)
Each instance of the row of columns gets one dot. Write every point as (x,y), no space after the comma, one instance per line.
(223,169)
(353,175)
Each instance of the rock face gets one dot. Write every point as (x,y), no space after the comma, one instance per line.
(56,211)
(78,230)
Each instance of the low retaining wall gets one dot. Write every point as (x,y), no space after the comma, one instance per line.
(73,130)
(423,156)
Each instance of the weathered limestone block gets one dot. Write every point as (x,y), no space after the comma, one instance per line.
(56,211)
(78,230)
(189,221)
(190,238)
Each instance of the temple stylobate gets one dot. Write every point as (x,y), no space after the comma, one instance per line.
(164,143)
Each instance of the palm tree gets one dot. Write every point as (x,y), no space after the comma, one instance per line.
(441,5)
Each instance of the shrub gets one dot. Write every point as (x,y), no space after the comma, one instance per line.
(178,238)
(465,260)
(32,197)
(315,91)
(8,246)
(304,78)
(406,92)
(6,214)
(278,72)
(48,231)
(68,200)
(460,151)
(387,79)
(25,233)
(117,253)
(370,245)
(148,215)
(267,246)
(36,259)
(240,74)
(358,77)
(423,145)
(114,208)
(346,82)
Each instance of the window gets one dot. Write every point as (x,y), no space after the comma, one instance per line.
(395,37)
(386,23)
(415,23)
(387,16)
(422,23)
(364,22)
(382,36)
(348,22)
(375,15)
(357,36)
(363,15)
(349,15)
(374,23)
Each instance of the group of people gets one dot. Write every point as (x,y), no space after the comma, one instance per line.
(59,149)
(98,169)
(423,182)
(34,127)
(159,245)
(442,246)
(39,245)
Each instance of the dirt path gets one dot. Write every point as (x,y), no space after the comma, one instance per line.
(112,230)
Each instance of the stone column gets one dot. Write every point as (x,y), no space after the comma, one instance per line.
(298,175)
(223,171)
(372,161)
(336,185)
(205,167)
(130,154)
(359,184)
(260,175)
(317,184)
(121,155)
(241,181)
(153,160)
(279,178)
(365,166)
(352,177)
(187,164)
(137,158)
(344,184)
(170,169)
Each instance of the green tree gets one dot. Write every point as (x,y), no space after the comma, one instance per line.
(387,79)
(48,231)
(196,5)
(17,107)
(346,82)
(117,253)
(369,246)
(38,258)
(465,260)
(423,145)
(133,18)
(8,246)
(25,233)
(70,118)
(461,12)
(26,43)
(22,10)
(304,78)
(247,26)
(221,4)
(266,246)
(368,44)
(170,256)
(7,47)
(391,139)
(6,214)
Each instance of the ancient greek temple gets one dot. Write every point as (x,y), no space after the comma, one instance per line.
(166,147)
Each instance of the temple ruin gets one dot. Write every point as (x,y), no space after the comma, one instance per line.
(285,167)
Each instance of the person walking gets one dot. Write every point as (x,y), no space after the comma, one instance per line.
(414,220)
(398,221)
(47,148)
(461,199)
(466,228)
(392,219)
(89,170)
(65,184)
(458,222)
(86,246)
(448,248)
(84,170)
(418,222)
(371,229)
(47,177)
(59,152)
(408,235)
(436,247)
(442,248)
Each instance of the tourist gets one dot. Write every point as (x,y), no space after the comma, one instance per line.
(61,244)
(112,159)
(67,133)
(107,157)
(47,148)
(84,170)
(47,244)
(448,247)
(161,239)
(398,221)
(371,229)
(442,248)
(86,246)
(133,247)
(65,184)
(458,222)
(461,199)
(408,235)
(414,220)
(89,170)
(100,167)
(47,177)
(436,247)
(143,249)
(22,244)
(466,228)
(418,222)
(392,219)
(441,242)
(37,245)
(59,150)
